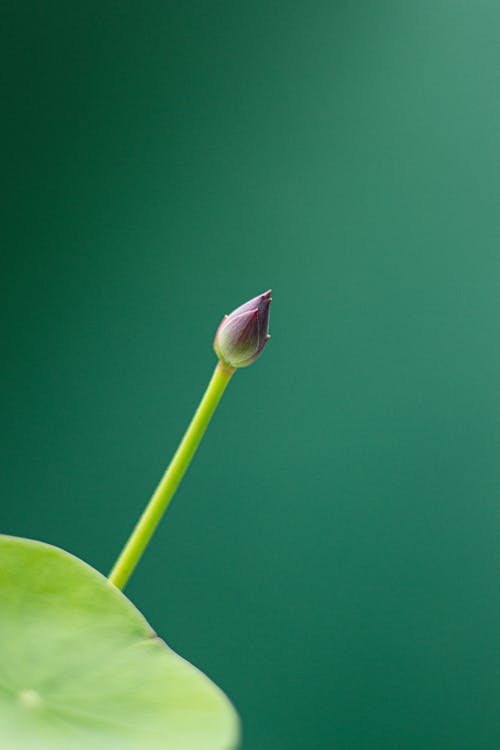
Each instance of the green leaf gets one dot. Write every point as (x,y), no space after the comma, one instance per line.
(81,669)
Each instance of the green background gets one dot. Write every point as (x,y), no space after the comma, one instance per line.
(332,558)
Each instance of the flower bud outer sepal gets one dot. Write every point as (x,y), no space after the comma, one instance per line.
(243,334)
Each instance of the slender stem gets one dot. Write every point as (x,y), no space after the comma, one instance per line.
(149,520)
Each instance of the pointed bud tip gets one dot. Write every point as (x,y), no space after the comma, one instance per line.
(242,335)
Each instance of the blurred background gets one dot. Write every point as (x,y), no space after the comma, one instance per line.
(331,559)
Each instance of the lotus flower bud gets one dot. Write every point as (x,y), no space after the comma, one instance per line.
(243,334)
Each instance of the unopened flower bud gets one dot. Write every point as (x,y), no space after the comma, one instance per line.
(243,334)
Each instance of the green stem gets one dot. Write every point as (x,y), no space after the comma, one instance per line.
(138,541)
